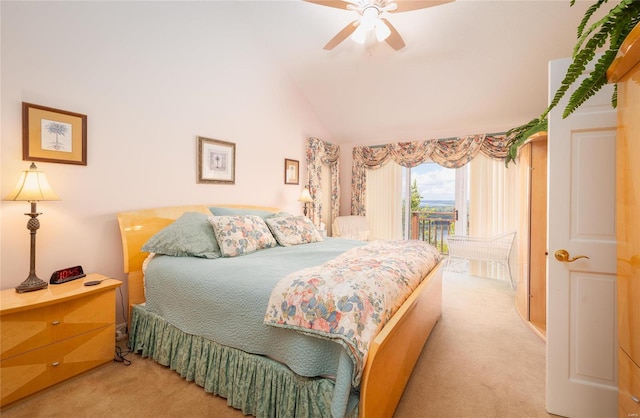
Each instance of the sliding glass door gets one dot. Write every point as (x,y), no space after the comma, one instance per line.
(435,203)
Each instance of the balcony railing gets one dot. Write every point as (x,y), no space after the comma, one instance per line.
(433,228)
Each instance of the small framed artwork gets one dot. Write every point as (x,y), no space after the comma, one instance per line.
(53,135)
(216,161)
(291,171)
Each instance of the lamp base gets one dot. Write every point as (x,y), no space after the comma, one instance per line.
(32,283)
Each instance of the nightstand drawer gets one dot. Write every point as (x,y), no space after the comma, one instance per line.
(35,370)
(628,385)
(27,330)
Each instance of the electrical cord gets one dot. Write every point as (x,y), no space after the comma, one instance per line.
(120,356)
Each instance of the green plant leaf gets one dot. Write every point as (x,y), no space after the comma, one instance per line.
(612,28)
(518,135)
(591,84)
(590,11)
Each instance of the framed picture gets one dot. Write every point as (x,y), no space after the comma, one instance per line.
(216,161)
(291,171)
(53,135)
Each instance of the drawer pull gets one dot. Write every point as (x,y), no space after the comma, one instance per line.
(55,363)
(55,322)
(635,399)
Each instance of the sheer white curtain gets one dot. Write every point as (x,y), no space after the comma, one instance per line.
(384,201)
(493,208)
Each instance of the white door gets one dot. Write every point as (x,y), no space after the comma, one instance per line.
(582,360)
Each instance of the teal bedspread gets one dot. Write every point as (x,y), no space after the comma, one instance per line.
(225,300)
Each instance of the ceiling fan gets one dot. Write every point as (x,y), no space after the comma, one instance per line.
(370,23)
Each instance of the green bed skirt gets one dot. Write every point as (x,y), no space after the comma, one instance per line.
(254,384)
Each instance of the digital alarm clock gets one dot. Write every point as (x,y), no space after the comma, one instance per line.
(66,275)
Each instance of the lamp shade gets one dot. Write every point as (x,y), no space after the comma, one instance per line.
(32,187)
(305,197)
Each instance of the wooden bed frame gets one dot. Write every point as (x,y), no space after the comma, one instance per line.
(392,354)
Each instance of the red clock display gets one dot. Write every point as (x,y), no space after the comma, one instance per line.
(66,275)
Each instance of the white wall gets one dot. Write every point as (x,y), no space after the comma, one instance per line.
(151,77)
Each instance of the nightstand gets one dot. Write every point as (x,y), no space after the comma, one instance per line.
(49,335)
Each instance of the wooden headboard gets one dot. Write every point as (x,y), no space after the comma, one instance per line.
(136,227)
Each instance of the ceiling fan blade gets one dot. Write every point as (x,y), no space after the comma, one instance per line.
(338,4)
(408,5)
(341,36)
(394,40)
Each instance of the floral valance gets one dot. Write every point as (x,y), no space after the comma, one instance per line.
(320,152)
(448,152)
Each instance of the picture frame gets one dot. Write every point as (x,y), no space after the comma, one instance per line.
(53,135)
(291,171)
(216,161)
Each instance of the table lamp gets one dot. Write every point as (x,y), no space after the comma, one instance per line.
(305,197)
(32,187)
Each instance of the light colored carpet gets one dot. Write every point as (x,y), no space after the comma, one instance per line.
(480,361)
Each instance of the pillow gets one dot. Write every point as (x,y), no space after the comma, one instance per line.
(222,211)
(238,235)
(293,230)
(190,235)
(280,214)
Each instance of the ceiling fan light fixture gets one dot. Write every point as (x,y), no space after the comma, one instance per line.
(360,35)
(370,22)
(370,16)
(382,31)
(370,27)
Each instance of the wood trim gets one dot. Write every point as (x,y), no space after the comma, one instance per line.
(395,350)
(628,56)
(53,334)
(34,370)
(56,293)
(137,226)
(33,328)
(629,384)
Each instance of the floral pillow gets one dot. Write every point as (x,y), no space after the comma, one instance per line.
(188,236)
(238,235)
(293,230)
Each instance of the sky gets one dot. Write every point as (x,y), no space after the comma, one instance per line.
(434,181)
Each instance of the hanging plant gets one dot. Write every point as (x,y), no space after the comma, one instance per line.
(613,27)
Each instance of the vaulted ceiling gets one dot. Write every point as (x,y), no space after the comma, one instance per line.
(468,67)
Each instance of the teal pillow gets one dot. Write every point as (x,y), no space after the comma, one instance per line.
(222,211)
(191,235)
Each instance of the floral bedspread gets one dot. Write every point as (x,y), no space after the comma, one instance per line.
(351,297)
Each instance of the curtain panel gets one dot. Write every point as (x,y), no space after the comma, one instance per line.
(384,202)
(320,152)
(448,152)
(493,209)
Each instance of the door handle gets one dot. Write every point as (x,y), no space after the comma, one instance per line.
(563,255)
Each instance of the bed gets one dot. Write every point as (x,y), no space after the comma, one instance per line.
(266,378)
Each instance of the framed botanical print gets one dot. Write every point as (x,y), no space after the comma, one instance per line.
(291,171)
(216,161)
(53,135)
